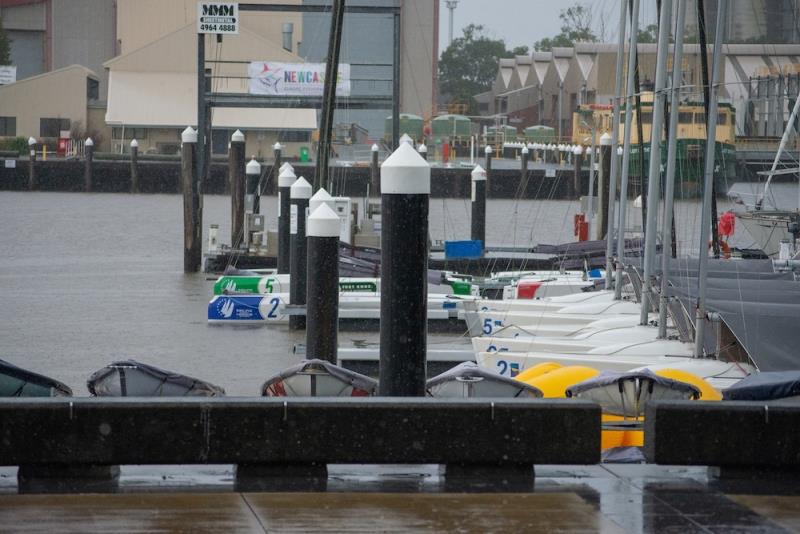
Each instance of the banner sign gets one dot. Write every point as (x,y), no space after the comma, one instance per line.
(294,79)
(218,17)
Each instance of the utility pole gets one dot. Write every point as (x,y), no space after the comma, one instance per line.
(451,5)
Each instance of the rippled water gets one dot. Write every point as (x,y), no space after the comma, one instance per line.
(90,278)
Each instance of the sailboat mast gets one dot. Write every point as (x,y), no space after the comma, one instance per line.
(626,148)
(612,192)
(705,219)
(669,178)
(781,147)
(329,96)
(654,170)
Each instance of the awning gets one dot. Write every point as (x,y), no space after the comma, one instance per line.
(169,100)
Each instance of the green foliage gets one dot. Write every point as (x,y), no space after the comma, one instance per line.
(18,144)
(648,34)
(5,46)
(469,65)
(576,26)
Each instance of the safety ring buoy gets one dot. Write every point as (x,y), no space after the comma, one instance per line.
(724,248)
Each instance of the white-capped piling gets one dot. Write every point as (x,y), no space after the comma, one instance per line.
(405,192)
(32,164)
(319,198)
(88,155)
(423,151)
(236,185)
(478,221)
(252,176)
(577,160)
(134,166)
(322,283)
(405,138)
(285,180)
(603,186)
(374,175)
(523,160)
(192,214)
(299,195)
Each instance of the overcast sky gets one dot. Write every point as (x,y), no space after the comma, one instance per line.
(522,22)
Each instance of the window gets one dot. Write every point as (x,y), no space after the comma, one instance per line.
(685,117)
(130,133)
(8,126)
(294,136)
(92,89)
(647,117)
(722,119)
(53,127)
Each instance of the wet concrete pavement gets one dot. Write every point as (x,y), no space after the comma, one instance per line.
(602,498)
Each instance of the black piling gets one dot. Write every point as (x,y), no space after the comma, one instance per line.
(374,176)
(299,194)
(236,185)
(192,218)
(88,155)
(405,188)
(32,164)
(478,222)
(322,282)
(523,164)
(603,185)
(423,151)
(285,180)
(134,166)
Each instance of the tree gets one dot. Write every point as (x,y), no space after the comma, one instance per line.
(648,34)
(576,26)
(469,65)
(5,46)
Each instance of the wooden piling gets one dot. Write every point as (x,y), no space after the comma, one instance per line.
(603,186)
(577,159)
(322,284)
(192,216)
(236,185)
(299,195)
(374,176)
(478,219)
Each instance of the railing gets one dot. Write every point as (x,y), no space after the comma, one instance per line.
(75,148)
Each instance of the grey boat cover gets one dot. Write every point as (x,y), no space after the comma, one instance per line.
(468,380)
(627,394)
(130,378)
(765,386)
(761,317)
(319,378)
(18,382)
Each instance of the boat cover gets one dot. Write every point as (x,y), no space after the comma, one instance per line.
(627,394)
(18,382)
(760,316)
(130,378)
(467,379)
(319,378)
(765,386)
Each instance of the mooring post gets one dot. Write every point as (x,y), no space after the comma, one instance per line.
(32,164)
(192,229)
(236,184)
(577,159)
(252,179)
(374,177)
(299,194)
(285,180)
(478,223)
(603,186)
(405,192)
(423,151)
(524,163)
(134,166)
(322,283)
(88,154)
